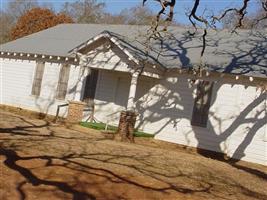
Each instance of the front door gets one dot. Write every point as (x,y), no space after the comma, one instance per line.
(90,87)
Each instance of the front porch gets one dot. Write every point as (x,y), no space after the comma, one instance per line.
(113,93)
(111,80)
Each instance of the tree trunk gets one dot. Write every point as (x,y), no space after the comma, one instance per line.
(126,126)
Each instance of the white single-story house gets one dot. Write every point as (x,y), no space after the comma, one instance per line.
(221,107)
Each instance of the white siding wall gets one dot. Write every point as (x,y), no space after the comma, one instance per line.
(237,119)
(111,96)
(17,78)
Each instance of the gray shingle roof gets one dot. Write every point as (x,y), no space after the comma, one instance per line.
(243,53)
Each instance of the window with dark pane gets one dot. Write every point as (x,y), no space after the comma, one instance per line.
(63,81)
(90,86)
(202,104)
(38,76)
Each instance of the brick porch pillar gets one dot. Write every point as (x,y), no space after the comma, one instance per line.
(75,111)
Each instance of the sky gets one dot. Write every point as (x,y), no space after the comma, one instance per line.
(115,6)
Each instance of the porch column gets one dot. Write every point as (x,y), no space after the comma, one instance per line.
(79,87)
(128,117)
(132,92)
(265,135)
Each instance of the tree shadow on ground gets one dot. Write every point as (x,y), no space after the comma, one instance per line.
(103,164)
(12,158)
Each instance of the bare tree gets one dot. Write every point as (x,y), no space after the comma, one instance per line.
(137,15)
(109,18)
(6,22)
(256,20)
(16,8)
(10,15)
(260,19)
(205,22)
(90,11)
(84,11)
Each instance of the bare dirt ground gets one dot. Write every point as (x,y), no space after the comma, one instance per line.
(44,161)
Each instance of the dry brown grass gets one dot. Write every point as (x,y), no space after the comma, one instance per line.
(40,160)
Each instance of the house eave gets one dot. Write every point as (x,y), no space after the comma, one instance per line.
(218,77)
(39,57)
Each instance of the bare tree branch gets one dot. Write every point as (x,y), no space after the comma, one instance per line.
(164,5)
(264,7)
(194,18)
(240,12)
(203,42)
(200,19)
